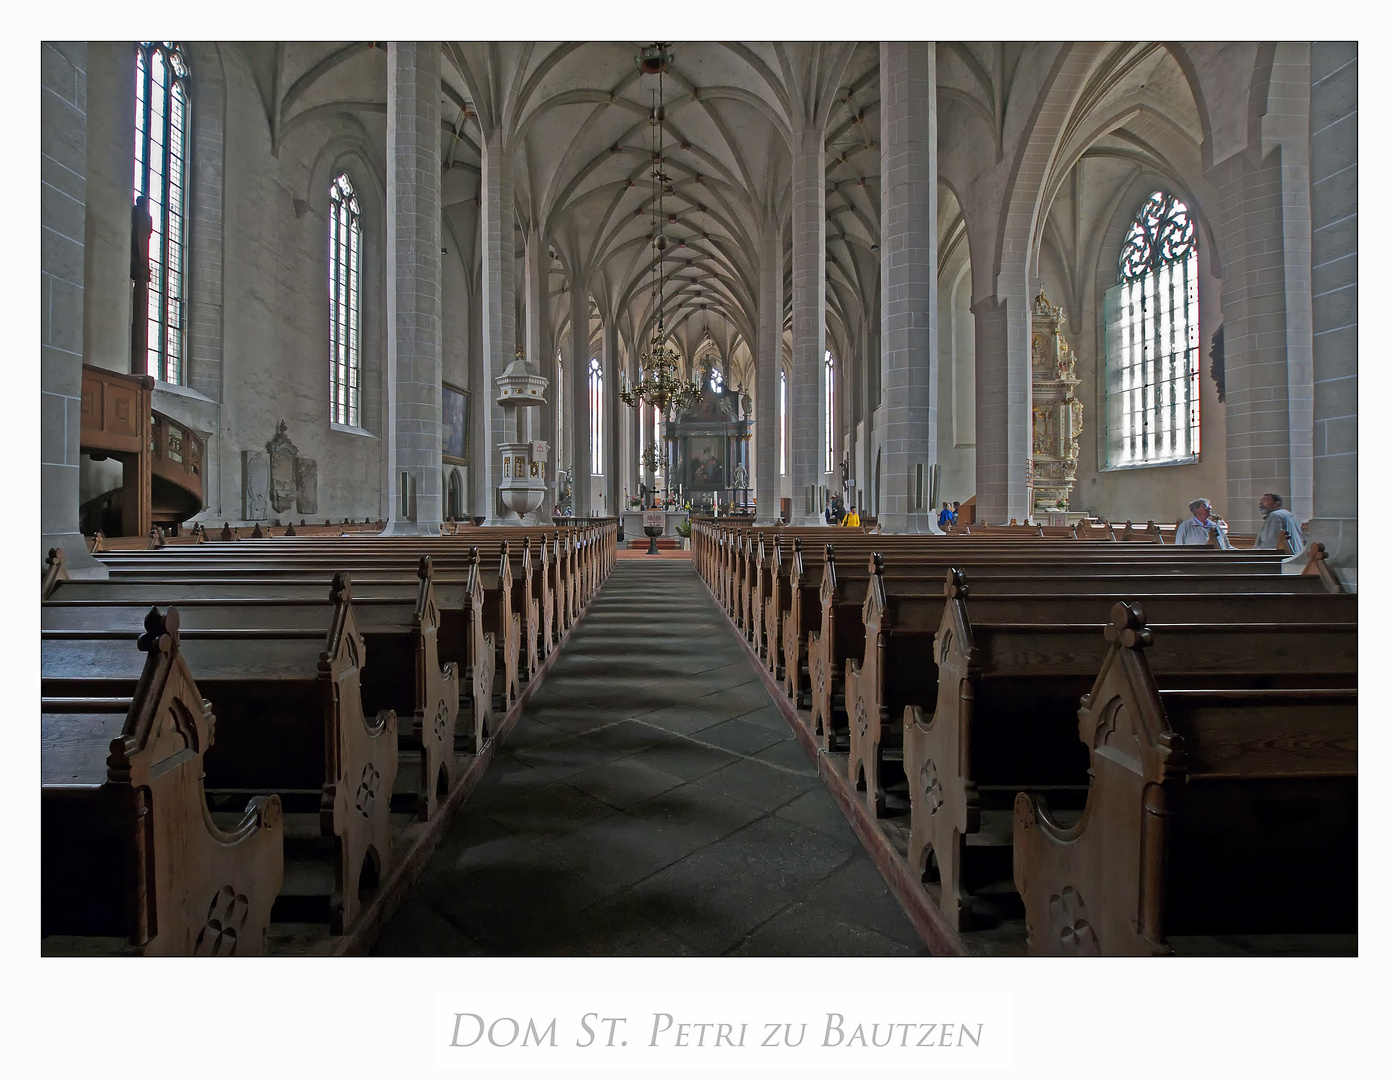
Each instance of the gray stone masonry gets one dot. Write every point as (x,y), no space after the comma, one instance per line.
(415,283)
(498,320)
(907,432)
(580,457)
(1334,207)
(62,222)
(804,401)
(768,362)
(538,352)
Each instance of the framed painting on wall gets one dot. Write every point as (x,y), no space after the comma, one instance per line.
(454,430)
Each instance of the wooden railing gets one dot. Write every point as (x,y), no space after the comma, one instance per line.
(162,460)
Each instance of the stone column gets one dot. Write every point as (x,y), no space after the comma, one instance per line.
(908,276)
(497,315)
(1264,237)
(611,427)
(1333,203)
(582,418)
(869,351)
(62,222)
(1003,402)
(540,356)
(415,284)
(808,320)
(767,363)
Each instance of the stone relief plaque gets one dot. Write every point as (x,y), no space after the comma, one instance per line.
(254,485)
(281,452)
(305,485)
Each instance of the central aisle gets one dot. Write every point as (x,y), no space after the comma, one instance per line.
(651,801)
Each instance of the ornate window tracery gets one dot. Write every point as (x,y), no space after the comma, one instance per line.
(829,383)
(345,237)
(782,425)
(159,191)
(595,415)
(1152,321)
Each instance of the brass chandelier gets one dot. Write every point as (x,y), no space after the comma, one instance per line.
(660,385)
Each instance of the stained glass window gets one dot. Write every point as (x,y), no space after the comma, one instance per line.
(159,191)
(716,380)
(595,415)
(345,238)
(829,382)
(1152,320)
(782,425)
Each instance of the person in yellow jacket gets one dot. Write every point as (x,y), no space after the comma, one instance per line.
(851,520)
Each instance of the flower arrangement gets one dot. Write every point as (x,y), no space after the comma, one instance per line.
(683,528)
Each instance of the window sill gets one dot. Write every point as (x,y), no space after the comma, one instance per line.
(181,390)
(346,429)
(1150,464)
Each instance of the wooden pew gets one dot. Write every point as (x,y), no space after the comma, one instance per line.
(1010,668)
(891,673)
(290,721)
(400,627)
(368,558)
(128,848)
(1209,811)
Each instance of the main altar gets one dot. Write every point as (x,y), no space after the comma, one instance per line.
(708,450)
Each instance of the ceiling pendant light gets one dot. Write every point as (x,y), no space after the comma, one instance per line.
(659,384)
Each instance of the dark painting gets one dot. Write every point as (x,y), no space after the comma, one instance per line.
(454,412)
(704,463)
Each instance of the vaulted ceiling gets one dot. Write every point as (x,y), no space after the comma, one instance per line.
(584,122)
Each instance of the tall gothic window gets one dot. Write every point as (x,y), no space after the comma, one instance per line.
(782,426)
(344,302)
(658,444)
(830,384)
(716,380)
(159,193)
(595,415)
(1152,320)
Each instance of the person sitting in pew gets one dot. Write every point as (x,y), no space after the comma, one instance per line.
(946,518)
(1196,529)
(1277,521)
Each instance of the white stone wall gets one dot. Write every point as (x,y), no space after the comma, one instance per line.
(276,314)
(1334,170)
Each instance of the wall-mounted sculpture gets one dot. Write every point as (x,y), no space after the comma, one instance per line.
(1057,413)
(279,479)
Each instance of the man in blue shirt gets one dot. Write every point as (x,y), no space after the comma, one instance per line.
(1196,529)
(1277,522)
(946,518)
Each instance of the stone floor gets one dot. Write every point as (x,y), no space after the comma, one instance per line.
(651,801)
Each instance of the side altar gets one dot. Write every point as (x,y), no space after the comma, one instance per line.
(1057,413)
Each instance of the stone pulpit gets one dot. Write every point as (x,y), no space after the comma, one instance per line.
(1056,411)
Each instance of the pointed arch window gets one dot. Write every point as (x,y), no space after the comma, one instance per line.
(1152,322)
(716,379)
(782,424)
(829,382)
(345,240)
(160,191)
(595,415)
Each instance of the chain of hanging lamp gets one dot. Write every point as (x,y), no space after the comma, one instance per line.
(660,384)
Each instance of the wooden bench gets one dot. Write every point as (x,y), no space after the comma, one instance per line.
(1011,668)
(291,722)
(400,627)
(1209,811)
(128,848)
